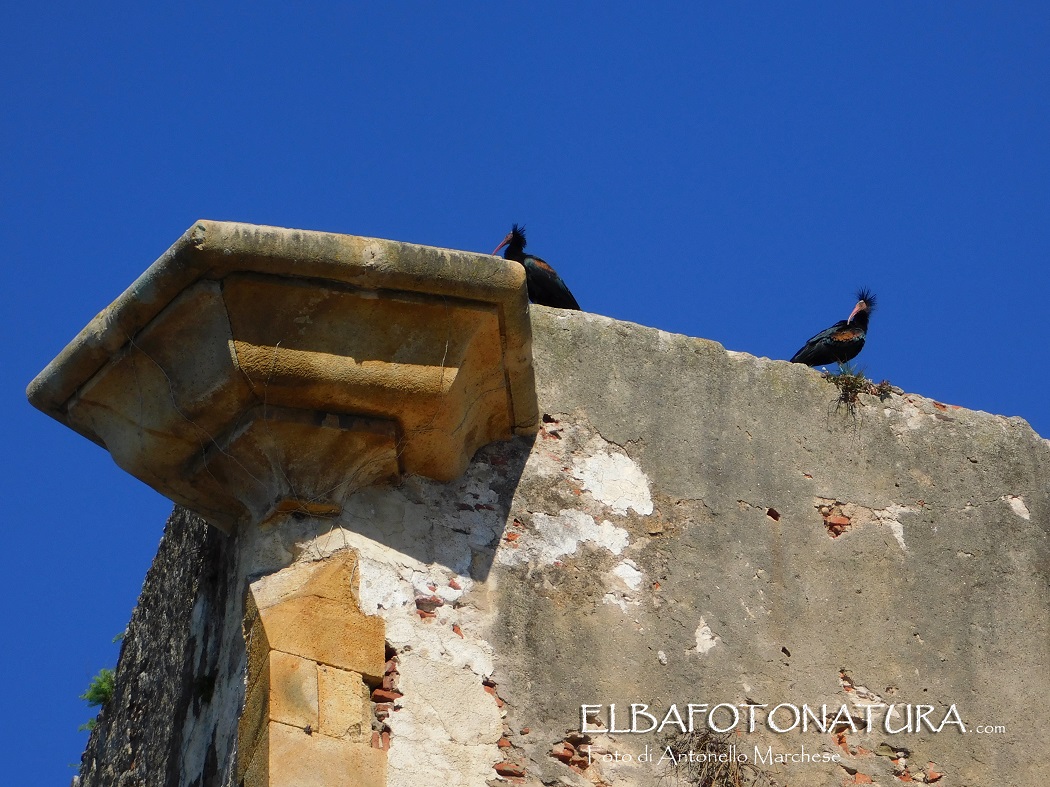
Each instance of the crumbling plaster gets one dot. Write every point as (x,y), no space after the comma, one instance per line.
(661,540)
(635,557)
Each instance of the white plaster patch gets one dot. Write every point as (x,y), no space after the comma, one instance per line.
(705,638)
(560,535)
(1017,505)
(622,581)
(890,516)
(898,533)
(381,588)
(614,479)
(446,729)
(628,571)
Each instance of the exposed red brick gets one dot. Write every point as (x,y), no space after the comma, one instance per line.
(931,774)
(860,778)
(838,519)
(513,536)
(376,741)
(456,629)
(452,583)
(656,586)
(563,751)
(426,615)
(391,665)
(507,768)
(835,530)
(429,603)
(526,730)
(384,695)
(579,762)
(491,690)
(840,740)
(504,743)
(940,406)
(861,751)
(390,681)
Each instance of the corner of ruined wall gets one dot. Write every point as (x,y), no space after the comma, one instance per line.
(313,658)
(178,686)
(689,524)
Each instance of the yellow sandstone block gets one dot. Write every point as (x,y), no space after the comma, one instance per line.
(344,707)
(329,633)
(292,758)
(293,690)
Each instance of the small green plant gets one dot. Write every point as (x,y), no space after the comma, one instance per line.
(99,693)
(101,689)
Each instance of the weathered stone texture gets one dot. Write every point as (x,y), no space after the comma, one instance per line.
(694,525)
(938,594)
(179,684)
(310,648)
(340,360)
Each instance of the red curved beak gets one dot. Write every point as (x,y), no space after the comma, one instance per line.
(861,306)
(505,241)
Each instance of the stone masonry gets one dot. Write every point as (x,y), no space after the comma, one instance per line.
(690,525)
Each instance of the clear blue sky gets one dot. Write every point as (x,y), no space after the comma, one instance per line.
(731,171)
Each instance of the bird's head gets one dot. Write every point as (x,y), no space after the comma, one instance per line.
(865,303)
(515,242)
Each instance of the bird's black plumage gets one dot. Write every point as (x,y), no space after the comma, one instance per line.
(843,340)
(545,285)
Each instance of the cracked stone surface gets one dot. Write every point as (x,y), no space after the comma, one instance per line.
(664,539)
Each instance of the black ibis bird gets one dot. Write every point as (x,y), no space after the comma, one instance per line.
(843,340)
(545,285)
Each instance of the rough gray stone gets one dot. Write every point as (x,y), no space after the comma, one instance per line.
(179,679)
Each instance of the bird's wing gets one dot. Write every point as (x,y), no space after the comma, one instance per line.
(546,286)
(820,349)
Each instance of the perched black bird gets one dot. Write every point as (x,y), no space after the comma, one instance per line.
(843,340)
(545,285)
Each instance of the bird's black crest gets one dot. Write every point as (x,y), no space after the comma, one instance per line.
(518,232)
(866,295)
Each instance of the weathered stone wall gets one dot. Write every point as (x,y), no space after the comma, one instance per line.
(179,680)
(690,526)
